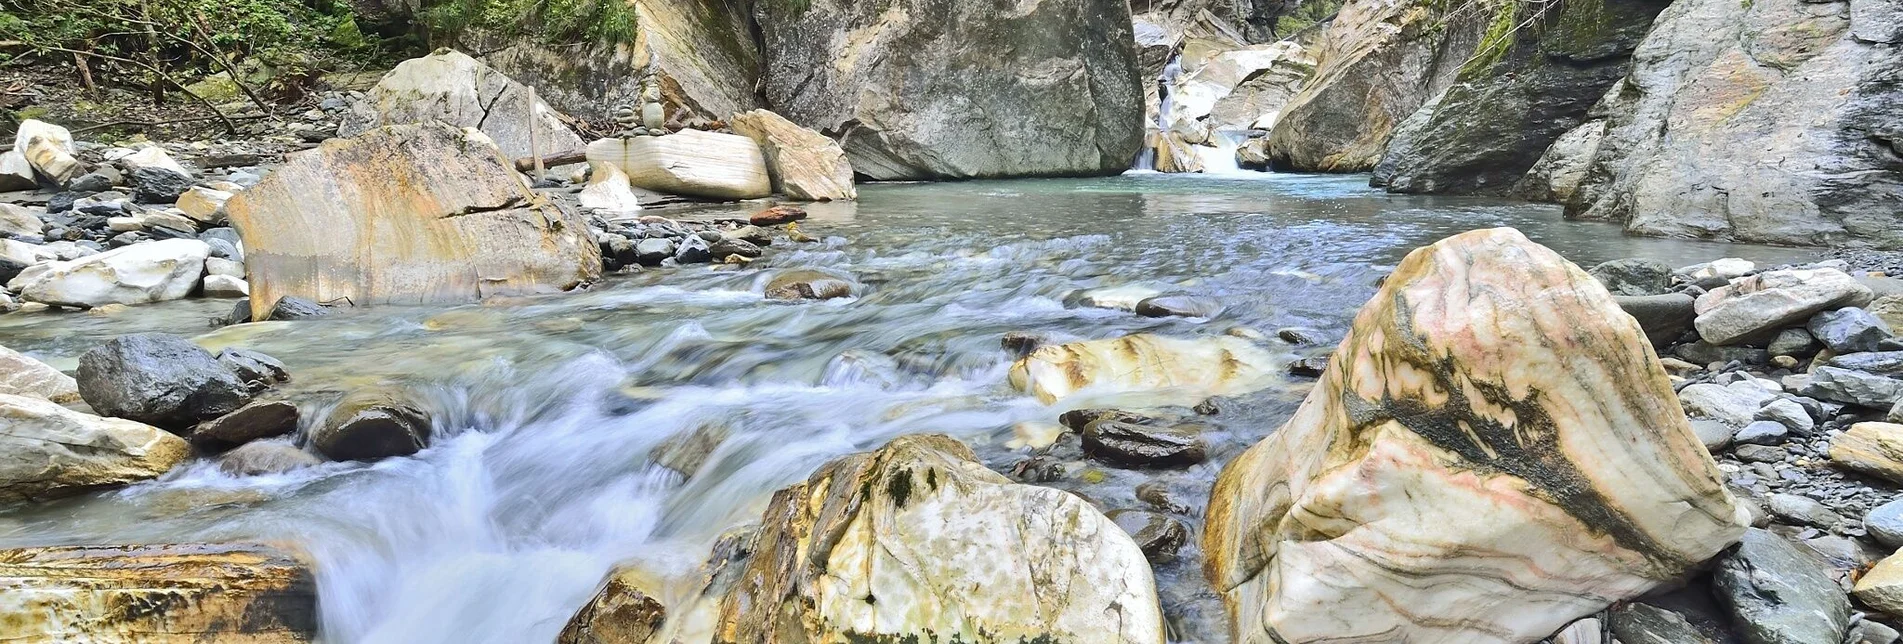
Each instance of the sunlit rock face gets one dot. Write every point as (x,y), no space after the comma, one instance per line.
(156,594)
(918,542)
(1157,367)
(1492,452)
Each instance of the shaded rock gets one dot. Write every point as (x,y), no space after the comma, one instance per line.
(158,185)
(1854,387)
(1885,524)
(1188,306)
(1312,367)
(1154,365)
(1882,587)
(1869,632)
(619,613)
(1759,305)
(1664,318)
(1793,342)
(158,379)
(1875,449)
(450,87)
(1159,536)
(1802,510)
(894,83)
(693,250)
(808,284)
(259,458)
(689,162)
(1077,420)
(1637,623)
(1431,389)
(406,214)
(1715,435)
(21,375)
(291,307)
(1139,445)
(50,451)
(49,149)
(803,164)
(653,250)
(158,593)
(1705,353)
(923,504)
(138,274)
(1848,330)
(1776,593)
(372,425)
(1634,277)
(263,419)
(1555,177)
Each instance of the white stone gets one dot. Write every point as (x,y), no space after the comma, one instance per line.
(608,190)
(49,451)
(1122,298)
(153,157)
(1728,268)
(21,375)
(689,162)
(222,266)
(136,274)
(1736,403)
(451,87)
(226,286)
(125,224)
(204,205)
(25,253)
(49,149)
(1759,305)
(1154,369)
(15,172)
(20,221)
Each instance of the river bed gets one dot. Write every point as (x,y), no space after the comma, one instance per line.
(540,480)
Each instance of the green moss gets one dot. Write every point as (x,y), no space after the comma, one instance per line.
(899,487)
(1497,41)
(550,21)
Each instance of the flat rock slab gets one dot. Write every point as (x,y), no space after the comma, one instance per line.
(158,594)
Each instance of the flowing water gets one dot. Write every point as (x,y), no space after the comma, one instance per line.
(540,480)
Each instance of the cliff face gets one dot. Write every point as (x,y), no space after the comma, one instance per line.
(1775,121)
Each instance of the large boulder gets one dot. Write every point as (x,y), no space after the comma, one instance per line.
(1756,307)
(370,425)
(1144,364)
(160,594)
(49,149)
(1492,453)
(1380,62)
(689,162)
(49,451)
(21,375)
(1875,449)
(451,87)
(1701,141)
(925,90)
(619,613)
(406,214)
(804,164)
(167,269)
(919,542)
(1778,594)
(1518,93)
(161,379)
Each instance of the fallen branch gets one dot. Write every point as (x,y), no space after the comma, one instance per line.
(527,164)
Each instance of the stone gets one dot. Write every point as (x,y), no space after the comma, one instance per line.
(204,205)
(161,222)
(1586,631)
(256,370)
(18,221)
(21,375)
(258,458)
(225,286)
(1706,353)
(153,157)
(894,84)
(1760,453)
(406,214)
(608,189)
(689,162)
(809,284)
(1888,308)
(1311,367)
(1875,449)
(1762,432)
(1052,568)
(1664,318)
(263,419)
(1869,632)
(16,173)
(1788,413)
(619,613)
(371,425)
(49,149)
(222,266)
(1147,366)
(653,250)
(1793,342)
(155,185)
(1737,403)
(1887,363)
(776,215)
(49,451)
(685,452)
(1556,176)
(1882,587)
(1715,435)
(450,87)
(166,593)
(1159,536)
(1760,305)
(158,379)
(138,274)
(693,250)
(1854,387)
(1802,510)
(1638,623)
(1139,445)
(1848,330)
(1443,446)
(1188,306)
(1777,593)
(291,307)
(802,164)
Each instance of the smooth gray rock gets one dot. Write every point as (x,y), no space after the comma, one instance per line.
(1777,594)
(1637,623)
(1802,510)
(1789,413)
(372,425)
(1736,403)
(1854,387)
(1793,342)
(1762,432)
(654,250)
(1714,434)
(1848,330)
(160,380)
(1885,524)
(1664,318)
(1633,276)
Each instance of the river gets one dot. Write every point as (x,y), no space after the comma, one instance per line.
(539,479)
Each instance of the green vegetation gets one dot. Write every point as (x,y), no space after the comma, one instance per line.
(446,22)
(1306,14)
(1498,40)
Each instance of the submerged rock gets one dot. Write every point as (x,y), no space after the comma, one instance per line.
(809,284)
(1188,306)
(172,593)
(49,451)
(1194,368)
(1144,445)
(372,425)
(1446,444)
(164,380)
(619,613)
(1049,566)
(265,457)
(1159,536)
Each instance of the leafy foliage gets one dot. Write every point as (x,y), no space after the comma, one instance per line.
(551,21)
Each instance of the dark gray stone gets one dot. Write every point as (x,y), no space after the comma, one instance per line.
(724,248)
(1637,623)
(1777,594)
(653,251)
(1848,330)
(1802,510)
(1144,445)
(1311,367)
(1887,363)
(291,307)
(160,380)
(1300,336)
(372,425)
(1158,536)
(1796,343)
(158,185)
(1189,306)
(1885,524)
(1664,318)
(1634,277)
(98,180)
(263,419)
(693,250)
(1854,387)
(257,370)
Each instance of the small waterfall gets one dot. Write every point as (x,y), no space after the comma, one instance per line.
(1219,156)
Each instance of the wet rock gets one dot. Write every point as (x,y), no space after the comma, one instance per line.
(1885,524)
(291,307)
(1637,623)
(1052,567)
(1758,306)
(137,274)
(21,375)
(258,458)
(411,214)
(1634,277)
(1458,332)
(1021,343)
(1301,337)
(450,87)
(1138,445)
(1793,342)
(1882,587)
(619,613)
(1875,449)
(49,451)
(158,593)
(1311,367)
(1159,536)
(157,185)
(804,164)
(263,419)
(159,379)
(1776,593)
(1145,364)
(654,250)
(1664,318)
(689,162)
(1848,330)
(1077,420)
(693,250)
(1802,510)
(1715,435)
(685,452)
(776,215)
(1854,387)
(372,425)
(49,149)
(1188,306)
(808,284)
(725,248)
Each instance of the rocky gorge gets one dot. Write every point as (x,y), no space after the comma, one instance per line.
(805,322)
